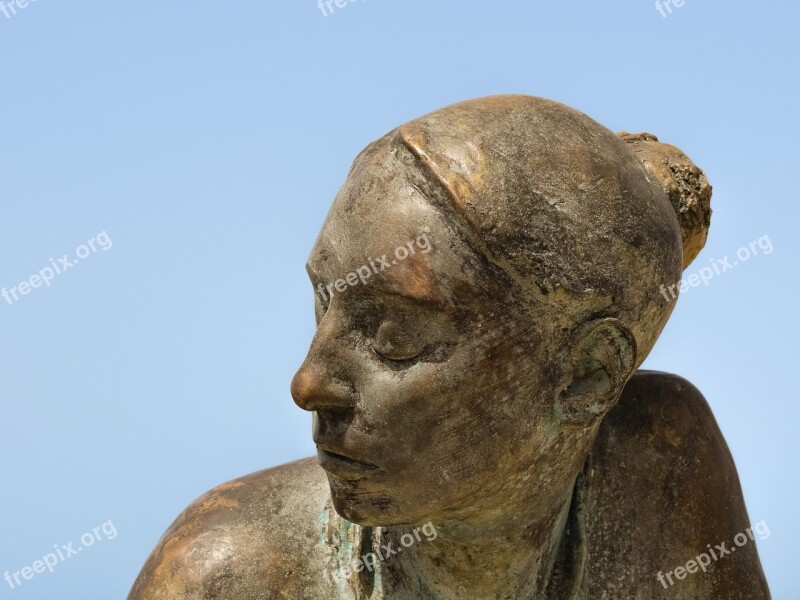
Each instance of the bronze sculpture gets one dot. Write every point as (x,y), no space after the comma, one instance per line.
(482,428)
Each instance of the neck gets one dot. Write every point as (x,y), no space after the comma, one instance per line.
(480,561)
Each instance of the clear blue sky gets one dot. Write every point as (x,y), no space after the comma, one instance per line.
(207,140)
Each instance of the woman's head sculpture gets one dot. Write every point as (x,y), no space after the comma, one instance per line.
(487,282)
(465,381)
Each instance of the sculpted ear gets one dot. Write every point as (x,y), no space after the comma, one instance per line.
(602,359)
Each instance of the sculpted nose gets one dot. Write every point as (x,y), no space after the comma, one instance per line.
(314,388)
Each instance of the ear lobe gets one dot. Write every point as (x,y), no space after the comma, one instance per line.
(602,357)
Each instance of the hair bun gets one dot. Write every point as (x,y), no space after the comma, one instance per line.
(686,185)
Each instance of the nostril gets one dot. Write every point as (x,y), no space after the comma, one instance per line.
(313,389)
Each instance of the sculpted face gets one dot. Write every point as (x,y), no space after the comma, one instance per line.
(482,299)
(431,384)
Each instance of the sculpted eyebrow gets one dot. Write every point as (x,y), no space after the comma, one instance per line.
(411,296)
(380,275)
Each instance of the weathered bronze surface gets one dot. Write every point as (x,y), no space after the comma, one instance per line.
(482,427)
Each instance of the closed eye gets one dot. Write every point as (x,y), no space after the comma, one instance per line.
(396,343)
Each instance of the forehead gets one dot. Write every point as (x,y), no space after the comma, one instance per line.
(378,210)
(381,218)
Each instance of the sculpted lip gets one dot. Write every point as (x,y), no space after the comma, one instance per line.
(340,464)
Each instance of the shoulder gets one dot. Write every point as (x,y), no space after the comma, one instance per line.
(254,537)
(660,489)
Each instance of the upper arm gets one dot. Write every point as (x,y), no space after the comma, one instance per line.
(247,539)
(662,489)
(195,557)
